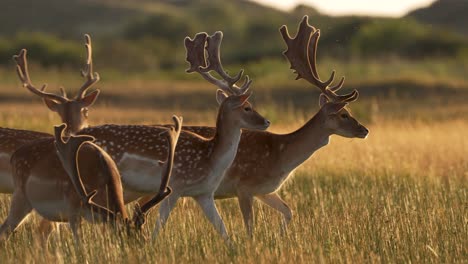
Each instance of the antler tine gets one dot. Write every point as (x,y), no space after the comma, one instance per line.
(23,74)
(246,85)
(302,53)
(313,44)
(91,77)
(338,86)
(196,57)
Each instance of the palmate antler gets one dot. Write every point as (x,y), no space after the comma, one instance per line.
(91,77)
(172,136)
(196,57)
(68,154)
(301,52)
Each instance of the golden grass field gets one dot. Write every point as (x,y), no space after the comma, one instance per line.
(399,196)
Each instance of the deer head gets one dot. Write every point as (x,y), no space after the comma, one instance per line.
(233,100)
(72,111)
(301,52)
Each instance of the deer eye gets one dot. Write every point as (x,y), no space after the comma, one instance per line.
(247,109)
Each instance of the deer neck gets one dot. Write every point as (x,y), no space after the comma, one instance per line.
(302,143)
(225,142)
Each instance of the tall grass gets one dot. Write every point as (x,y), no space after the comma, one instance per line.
(399,196)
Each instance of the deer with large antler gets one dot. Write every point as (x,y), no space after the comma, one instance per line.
(72,111)
(210,157)
(199,162)
(265,160)
(53,176)
(65,198)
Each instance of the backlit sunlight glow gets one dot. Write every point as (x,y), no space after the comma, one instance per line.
(354,7)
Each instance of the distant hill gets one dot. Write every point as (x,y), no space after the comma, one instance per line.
(128,29)
(446,13)
(63,18)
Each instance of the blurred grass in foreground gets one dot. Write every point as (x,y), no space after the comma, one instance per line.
(398,196)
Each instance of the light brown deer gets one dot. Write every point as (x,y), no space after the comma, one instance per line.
(199,163)
(55,184)
(65,199)
(72,111)
(265,160)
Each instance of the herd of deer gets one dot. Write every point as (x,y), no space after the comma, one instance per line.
(92,172)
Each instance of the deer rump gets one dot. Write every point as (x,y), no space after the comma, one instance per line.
(54,197)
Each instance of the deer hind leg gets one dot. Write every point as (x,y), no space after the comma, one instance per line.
(19,210)
(246,206)
(164,211)
(46,228)
(75,225)
(274,201)
(208,206)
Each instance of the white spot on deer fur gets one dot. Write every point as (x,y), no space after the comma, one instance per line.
(281,146)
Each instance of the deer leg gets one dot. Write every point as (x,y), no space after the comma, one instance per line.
(274,201)
(19,209)
(208,206)
(246,206)
(75,224)
(45,229)
(164,211)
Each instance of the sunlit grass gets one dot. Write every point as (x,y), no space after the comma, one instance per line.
(398,196)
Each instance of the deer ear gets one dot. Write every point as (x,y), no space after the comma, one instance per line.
(51,104)
(221,96)
(90,98)
(333,108)
(239,100)
(323,99)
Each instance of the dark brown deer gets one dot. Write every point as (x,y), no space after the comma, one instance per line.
(72,111)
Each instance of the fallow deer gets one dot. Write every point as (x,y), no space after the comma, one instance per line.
(54,184)
(199,163)
(207,159)
(65,199)
(72,111)
(265,160)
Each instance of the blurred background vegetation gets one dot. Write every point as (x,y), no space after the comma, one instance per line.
(145,35)
(138,49)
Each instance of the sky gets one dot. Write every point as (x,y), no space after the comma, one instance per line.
(358,7)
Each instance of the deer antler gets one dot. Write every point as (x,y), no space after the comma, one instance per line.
(23,74)
(68,155)
(91,77)
(196,57)
(172,136)
(301,52)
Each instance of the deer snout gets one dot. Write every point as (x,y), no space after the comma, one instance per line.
(266,124)
(363,131)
